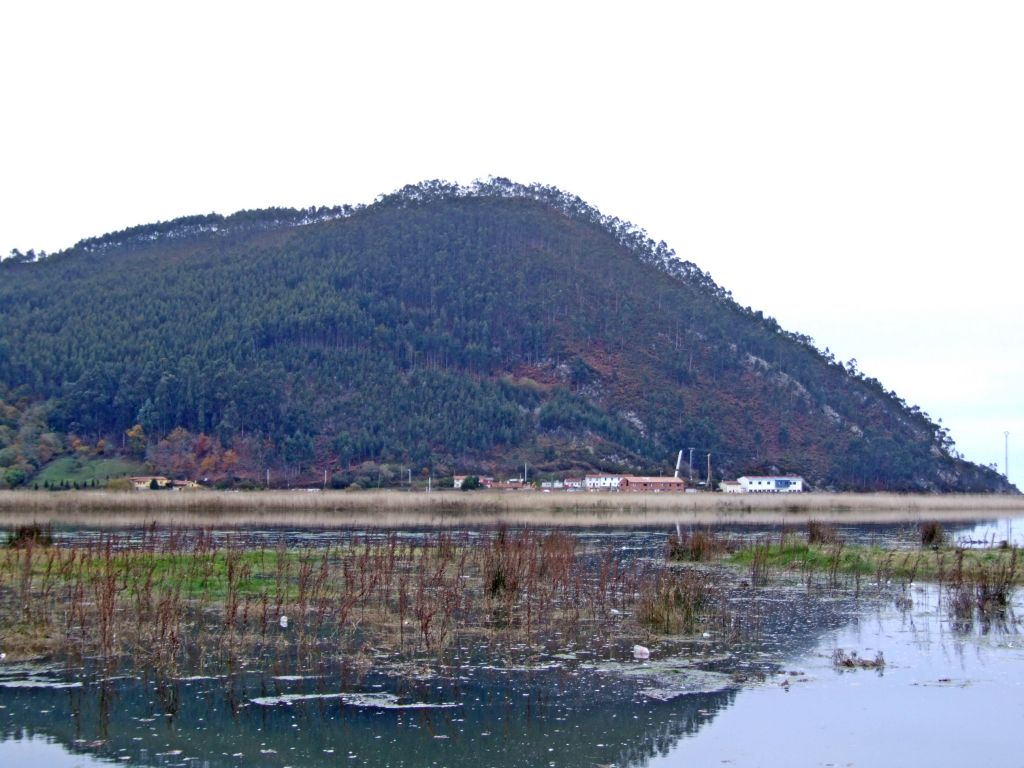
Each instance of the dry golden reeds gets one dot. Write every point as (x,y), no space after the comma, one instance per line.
(447,508)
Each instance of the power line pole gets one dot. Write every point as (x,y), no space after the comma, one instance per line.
(1006,473)
(691,465)
(709,472)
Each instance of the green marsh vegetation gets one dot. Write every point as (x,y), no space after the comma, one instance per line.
(825,551)
(976,583)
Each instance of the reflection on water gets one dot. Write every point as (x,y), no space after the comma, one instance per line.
(992,532)
(945,697)
(900,535)
(557,717)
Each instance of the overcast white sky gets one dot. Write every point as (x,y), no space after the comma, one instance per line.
(854,169)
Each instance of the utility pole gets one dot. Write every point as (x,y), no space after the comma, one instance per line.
(526,474)
(325,478)
(709,472)
(691,465)
(1006,473)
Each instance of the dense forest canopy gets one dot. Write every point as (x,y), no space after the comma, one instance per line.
(442,328)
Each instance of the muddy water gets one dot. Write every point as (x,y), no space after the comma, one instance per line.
(948,695)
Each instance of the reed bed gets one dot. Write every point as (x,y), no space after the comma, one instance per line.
(186,599)
(447,508)
(943,566)
(976,584)
(682,601)
(979,590)
(696,546)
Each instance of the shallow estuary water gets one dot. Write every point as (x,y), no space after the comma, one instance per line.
(947,695)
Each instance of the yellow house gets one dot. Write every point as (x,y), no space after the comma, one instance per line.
(144,483)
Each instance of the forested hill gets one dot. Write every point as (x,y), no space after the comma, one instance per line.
(441,329)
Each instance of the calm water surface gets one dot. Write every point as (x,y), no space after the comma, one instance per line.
(947,695)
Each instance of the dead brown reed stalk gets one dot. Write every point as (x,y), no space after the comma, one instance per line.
(835,560)
(819,532)
(932,534)
(695,547)
(759,568)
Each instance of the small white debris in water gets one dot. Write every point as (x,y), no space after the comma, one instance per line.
(284,622)
(641,652)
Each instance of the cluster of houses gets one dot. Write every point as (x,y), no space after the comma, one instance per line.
(592,482)
(644,484)
(153,482)
(633,483)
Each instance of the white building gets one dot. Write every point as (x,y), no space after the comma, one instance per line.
(485,482)
(602,482)
(768,484)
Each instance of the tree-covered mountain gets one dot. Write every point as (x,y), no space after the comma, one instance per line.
(441,328)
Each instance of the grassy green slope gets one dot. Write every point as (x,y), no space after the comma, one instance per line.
(86,472)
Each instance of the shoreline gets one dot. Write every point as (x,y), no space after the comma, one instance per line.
(442,509)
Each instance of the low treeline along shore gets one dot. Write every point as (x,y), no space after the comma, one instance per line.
(456,508)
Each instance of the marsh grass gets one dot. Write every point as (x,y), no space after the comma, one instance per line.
(885,565)
(793,554)
(932,534)
(186,598)
(819,532)
(697,546)
(678,602)
(760,562)
(30,534)
(980,588)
